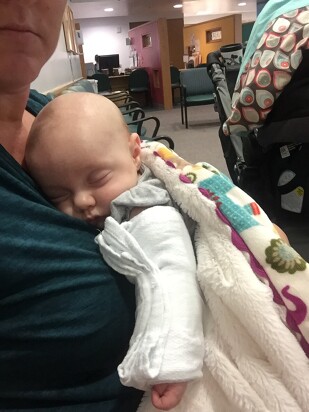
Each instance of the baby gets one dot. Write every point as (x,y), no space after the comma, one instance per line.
(88,164)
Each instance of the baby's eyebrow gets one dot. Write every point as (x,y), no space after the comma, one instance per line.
(55,190)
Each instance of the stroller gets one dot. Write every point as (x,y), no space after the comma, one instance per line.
(224,78)
(271,166)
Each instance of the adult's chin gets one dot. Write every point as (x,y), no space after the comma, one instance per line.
(23,56)
(15,75)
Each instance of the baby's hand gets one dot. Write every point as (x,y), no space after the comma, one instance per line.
(281,233)
(167,395)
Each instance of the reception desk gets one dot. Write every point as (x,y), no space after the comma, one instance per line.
(120,82)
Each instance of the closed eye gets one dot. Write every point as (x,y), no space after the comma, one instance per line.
(99,180)
(58,198)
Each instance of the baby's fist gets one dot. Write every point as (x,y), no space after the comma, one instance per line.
(166,396)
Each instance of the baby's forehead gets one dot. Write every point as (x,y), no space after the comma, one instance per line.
(53,109)
(84,106)
(77,116)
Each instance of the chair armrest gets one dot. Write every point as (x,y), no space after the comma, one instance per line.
(129,105)
(116,95)
(125,97)
(183,91)
(140,122)
(136,114)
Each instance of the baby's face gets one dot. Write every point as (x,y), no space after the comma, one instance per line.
(82,180)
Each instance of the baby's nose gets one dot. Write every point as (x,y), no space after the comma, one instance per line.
(84,200)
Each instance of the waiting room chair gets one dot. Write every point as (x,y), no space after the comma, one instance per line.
(139,83)
(175,80)
(196,89)
(146,127)
(120,97)
(132,104)
(137,121)
(104,83)
(120,94)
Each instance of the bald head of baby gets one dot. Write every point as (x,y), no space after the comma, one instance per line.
(77,116)
(75,134)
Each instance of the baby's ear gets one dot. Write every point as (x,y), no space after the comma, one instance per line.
(135,146)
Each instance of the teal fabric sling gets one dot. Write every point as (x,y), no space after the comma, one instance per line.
(65,317)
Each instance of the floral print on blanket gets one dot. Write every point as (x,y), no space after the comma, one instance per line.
(251,232)
(283,258)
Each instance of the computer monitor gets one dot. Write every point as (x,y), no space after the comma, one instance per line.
(109,61)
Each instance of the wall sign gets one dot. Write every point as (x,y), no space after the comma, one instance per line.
(214,35)
(146,40)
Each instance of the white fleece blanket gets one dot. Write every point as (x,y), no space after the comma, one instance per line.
(256,289)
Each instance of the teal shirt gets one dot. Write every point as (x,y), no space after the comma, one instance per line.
(65,317)
(271,10)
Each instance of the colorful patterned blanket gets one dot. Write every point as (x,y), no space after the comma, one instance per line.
(256,290)
(269,71)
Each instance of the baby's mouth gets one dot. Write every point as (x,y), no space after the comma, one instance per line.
(97,221)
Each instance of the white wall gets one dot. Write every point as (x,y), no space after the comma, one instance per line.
(101,36)
(61,68)
(106,36)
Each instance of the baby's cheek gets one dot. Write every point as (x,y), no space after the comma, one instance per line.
(65,208)
(108,193)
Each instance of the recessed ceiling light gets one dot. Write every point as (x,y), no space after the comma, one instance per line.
(109,9)
(242,4)
(177,6)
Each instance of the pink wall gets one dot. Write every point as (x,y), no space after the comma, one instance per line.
(149,57)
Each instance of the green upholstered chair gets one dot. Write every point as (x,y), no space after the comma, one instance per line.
(139,83)
(196,89)
(138,122)
(146,127)
(175,80)
(104,83)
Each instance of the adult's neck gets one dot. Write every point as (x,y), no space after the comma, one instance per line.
(14,123)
